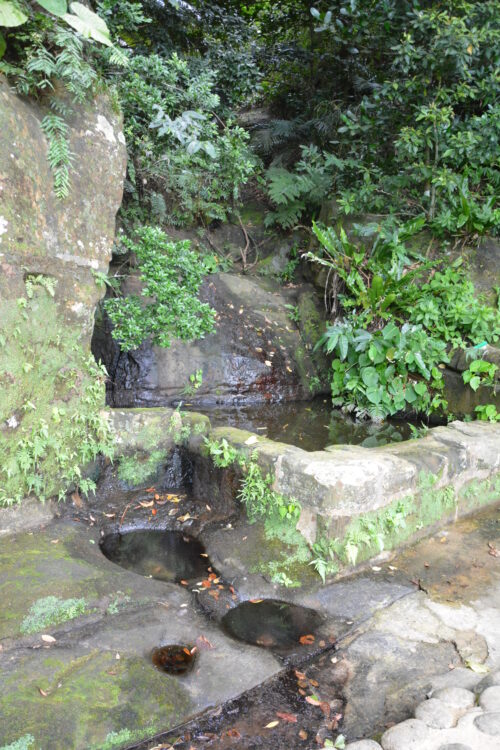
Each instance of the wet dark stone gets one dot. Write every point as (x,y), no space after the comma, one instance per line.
(165,555)
(271,623)
(174,659)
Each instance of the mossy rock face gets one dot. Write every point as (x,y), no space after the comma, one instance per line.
(87,700)
(50,391)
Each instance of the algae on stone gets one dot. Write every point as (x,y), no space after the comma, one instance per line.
(51,400)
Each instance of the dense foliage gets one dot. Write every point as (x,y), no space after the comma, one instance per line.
(398,317)
(402,100)
(171,274)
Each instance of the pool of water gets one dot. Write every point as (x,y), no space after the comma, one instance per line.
(272,623)
(311,425)
(165,555)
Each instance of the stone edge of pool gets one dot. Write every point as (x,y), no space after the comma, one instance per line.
(368,499)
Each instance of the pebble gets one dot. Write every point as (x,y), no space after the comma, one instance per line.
(408,735)
(489,681)
(489,724)
(363,745)
(490,699)
(456,697)
(436,714)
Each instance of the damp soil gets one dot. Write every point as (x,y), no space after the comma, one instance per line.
(299,708)
(165,555)
(311,425)
(272,623)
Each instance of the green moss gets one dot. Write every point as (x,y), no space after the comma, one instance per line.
(51,611)
(51,399)
(370,533)
(91,700)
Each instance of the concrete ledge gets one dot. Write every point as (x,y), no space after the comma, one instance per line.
(366,499)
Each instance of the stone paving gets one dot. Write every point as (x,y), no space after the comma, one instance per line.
(453,718)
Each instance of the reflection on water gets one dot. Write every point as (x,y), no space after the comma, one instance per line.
(312,425)
(271,623)
(165,555)
(174,659)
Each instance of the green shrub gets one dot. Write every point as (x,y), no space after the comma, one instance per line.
(185,165)
(172,275)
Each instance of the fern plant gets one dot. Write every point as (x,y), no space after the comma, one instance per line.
(59,155)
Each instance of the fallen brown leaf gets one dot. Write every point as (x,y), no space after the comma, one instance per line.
(77,499)
(303,734)
(204,644)
(146,505)
(290,718)
(306,640)
(271,725)
(45,693)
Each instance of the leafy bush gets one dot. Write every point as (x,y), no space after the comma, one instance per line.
(381,373)
(402,98)
(179,148)
(172,275)
(398,328)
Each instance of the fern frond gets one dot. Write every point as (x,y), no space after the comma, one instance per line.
(283,185)
(58,155)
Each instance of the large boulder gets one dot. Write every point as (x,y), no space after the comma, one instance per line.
(262,349)
(51,392)
(41,234)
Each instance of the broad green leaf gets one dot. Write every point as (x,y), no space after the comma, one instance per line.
(3,46)
(210,149)
(374,394)
(56,7)
(88,24)
(369,376)
(343,346)
(11,14)
(376,289)
(475,382)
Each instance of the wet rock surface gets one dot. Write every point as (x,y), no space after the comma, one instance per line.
(256,354)
(391,643)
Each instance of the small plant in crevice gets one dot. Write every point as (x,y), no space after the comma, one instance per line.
(23,743)
(324,557)
(487,413)
(51,611)
(138,468)
(480,374)
(195,383)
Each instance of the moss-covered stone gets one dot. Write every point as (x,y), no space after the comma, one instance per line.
(89,701)
(50,392)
